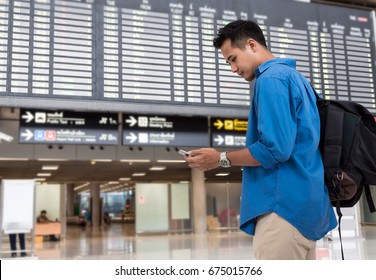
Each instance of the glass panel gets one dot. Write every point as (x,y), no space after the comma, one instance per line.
(367,216)
(180,208)
(180,201)
(223,205)
(151,207)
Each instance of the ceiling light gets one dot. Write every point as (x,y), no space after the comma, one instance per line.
(81,186)
(10,159)
(101,160)
(135,160)
(44,174)
(52,159)
(39,179)
(170,160)
(124,179)
(222,174)
(50,167)
(138,174)
(157,168)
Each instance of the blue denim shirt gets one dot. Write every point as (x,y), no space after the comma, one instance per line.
(283,135)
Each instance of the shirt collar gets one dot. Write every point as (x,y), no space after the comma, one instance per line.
(287,61)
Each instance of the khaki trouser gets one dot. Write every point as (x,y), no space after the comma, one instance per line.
(276,239)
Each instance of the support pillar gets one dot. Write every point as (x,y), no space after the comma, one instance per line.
(95,204)
(70,200)
(199,201)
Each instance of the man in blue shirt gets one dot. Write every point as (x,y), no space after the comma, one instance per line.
(285,203)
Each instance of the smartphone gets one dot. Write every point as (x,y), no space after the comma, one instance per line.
(183,153)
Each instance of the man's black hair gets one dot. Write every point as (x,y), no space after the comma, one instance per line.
(238,32)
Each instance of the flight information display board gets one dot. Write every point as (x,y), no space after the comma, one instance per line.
(160,52)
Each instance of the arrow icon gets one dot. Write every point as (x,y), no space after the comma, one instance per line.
(5,137)
(132,137)
(132,121)
(218,124)
(28,117)
(219,139)
(28,135)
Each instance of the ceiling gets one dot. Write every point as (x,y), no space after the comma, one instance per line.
(369,4)
(78,172)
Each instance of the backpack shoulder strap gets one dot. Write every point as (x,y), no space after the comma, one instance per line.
(318,97)
(332,130)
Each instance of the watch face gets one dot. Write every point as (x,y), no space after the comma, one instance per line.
(223,161)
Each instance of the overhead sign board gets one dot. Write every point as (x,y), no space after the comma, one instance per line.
(228,132)
(66,127)
(152,130)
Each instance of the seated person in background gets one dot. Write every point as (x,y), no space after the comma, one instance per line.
(43,219)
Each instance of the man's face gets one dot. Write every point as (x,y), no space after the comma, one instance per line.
(242,61)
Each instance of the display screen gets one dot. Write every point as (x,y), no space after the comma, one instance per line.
(160,52)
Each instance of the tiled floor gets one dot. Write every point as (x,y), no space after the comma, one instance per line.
(118,241)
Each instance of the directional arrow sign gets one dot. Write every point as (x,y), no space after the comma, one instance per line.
(67,127)
(218,124)
(27,116)
(5,137)
(152,130)
(27,134)
(219,140)
(228,132)
(131,121)
(131,137)
(228,124)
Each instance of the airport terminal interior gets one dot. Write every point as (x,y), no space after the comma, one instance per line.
(97,97)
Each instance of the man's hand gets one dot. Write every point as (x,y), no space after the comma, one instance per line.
(203,159)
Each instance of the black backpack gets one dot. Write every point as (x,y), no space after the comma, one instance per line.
(348,149)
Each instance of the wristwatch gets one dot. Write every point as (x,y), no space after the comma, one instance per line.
(223,160)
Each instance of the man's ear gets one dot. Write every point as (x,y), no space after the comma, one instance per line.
(252,44)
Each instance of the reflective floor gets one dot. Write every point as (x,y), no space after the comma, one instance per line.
(118,241)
